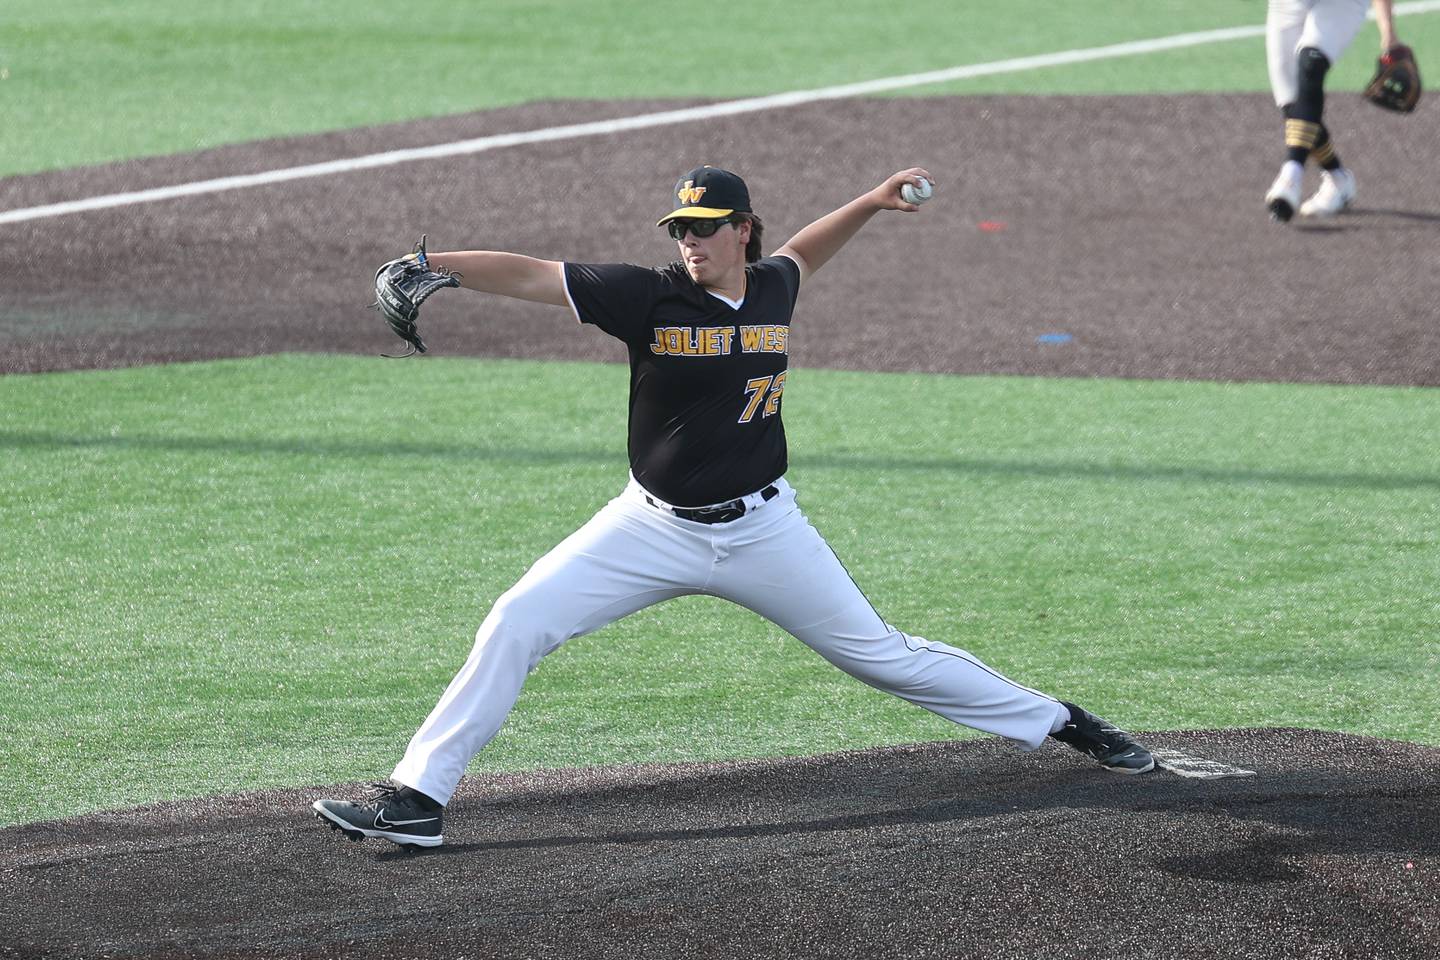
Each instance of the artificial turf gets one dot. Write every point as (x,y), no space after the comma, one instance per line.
(227,575)
(89,82)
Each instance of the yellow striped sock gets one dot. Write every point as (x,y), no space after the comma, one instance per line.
(1301,133)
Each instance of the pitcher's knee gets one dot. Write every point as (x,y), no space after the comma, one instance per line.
(518,625)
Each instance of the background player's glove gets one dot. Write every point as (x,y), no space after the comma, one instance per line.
(401,286)
(1396,84)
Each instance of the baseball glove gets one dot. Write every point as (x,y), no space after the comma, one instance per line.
(1396,84)
(400,287)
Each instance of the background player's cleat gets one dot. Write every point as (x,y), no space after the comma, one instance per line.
(1337,189)
(393,812)
(1283,197)
(1112,747)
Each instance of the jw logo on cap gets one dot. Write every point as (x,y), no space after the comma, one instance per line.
(690,193)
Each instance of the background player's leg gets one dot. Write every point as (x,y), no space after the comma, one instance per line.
(1302,116)
(1328,32)
(1332,26)
(1284,23)
(1337,183)
(1325,155)
(621,561)
(1300,52)
(780,567)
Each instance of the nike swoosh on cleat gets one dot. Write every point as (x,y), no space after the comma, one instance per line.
(382,824)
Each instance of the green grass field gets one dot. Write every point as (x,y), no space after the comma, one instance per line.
(242,574)
(230,575)
(169,78)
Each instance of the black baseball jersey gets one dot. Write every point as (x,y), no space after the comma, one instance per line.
(706,379)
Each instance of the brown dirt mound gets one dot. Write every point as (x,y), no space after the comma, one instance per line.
(962,849)
(1133,224)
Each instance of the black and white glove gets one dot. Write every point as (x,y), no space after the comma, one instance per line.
(400,287)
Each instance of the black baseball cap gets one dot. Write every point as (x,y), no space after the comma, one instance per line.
(708,193)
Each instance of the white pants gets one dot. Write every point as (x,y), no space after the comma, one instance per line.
(1327,25)
(632,554)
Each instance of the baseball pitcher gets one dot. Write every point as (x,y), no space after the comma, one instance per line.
(707,508)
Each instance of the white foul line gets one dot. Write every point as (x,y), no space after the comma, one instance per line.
(663,118)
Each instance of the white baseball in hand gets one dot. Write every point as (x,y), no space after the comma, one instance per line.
(910,193)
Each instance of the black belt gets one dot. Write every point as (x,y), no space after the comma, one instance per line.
(715,513)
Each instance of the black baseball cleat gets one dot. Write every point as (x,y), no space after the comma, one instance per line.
(1112,747)
(393,812)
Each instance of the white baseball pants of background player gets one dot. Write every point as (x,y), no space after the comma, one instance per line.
(1327,25)
(631,555)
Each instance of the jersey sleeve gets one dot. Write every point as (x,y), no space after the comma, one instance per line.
(616,297)
(787,270)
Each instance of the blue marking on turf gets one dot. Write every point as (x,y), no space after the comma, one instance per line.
(1054,338)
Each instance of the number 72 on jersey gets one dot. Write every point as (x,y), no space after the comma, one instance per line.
(766,390)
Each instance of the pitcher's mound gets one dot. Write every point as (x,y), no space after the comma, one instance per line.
(963,849)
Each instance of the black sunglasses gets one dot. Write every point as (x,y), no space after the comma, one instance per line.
(701,228)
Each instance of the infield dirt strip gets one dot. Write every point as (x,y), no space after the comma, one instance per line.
(1130,227)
